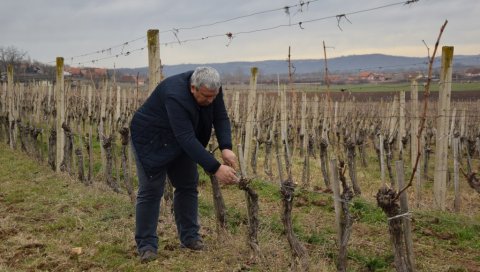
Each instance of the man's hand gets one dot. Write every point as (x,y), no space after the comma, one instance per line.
(226,175)
(229,158)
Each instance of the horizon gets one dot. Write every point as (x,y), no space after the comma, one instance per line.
(293,60)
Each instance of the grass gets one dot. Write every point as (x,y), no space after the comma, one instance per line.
(45,216)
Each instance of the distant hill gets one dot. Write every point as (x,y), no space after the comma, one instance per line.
(344,64)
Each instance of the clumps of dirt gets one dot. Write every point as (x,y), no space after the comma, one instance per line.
(4,233)
(304,201)
(439,235)
(23,252)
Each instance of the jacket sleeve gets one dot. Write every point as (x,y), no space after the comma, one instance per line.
(221,123)
(183,130)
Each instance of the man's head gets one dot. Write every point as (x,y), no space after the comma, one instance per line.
(205,85)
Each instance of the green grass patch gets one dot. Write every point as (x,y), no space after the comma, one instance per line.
(371,263)
(366,212)
(65,223)
(450,228)
(273,224)
(205,208)
(266,190)
(111,255)
(235,218)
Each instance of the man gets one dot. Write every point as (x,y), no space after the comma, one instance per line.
(169,135)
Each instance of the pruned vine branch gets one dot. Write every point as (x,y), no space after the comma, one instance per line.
(426,95)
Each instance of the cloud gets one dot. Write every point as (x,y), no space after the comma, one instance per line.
(47,29)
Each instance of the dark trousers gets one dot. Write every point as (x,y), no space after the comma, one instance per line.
(183,175)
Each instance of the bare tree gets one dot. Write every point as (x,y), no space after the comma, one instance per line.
(11,55)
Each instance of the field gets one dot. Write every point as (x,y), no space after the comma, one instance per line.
(47,217)
(73,220)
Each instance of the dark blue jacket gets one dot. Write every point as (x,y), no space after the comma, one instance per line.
(170,123)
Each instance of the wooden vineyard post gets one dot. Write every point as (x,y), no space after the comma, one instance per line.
(293,104)
(154,62)
(303,121)
(388,142)
(306,149)
(34,130)
(335,124)
(49,107)
(415,139)
(349,143)
(252,207)
(116,125)
(251,106)
(60,118)
(284,130)
(315,117)
(452,127)
(401,127)
(283,115)
(258,133)
(3,112)
(108,125)
(455,146)
(382,160)
(3,100)
(306,160)
(268,145)
(90,135)
(236,116)
(407,228)
(337,204)
(11,107)
(118,103)
(441,146)
(462,131)
(80,112)
(324,142)
(102,121)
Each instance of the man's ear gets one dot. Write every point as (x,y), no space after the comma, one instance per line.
(192,88)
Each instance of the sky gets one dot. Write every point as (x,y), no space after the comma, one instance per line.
(112,33)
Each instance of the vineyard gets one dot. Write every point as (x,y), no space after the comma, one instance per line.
(321,159)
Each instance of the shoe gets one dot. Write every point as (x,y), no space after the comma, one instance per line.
(194,245)
(147,256)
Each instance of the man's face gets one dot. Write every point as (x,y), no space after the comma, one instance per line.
(203,95)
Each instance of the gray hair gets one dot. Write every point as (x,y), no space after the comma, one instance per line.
(207,77)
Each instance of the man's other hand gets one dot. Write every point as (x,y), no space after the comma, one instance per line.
(229,158)
(226,175)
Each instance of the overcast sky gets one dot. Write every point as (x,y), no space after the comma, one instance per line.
(47,29)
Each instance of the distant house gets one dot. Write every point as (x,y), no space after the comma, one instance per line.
(88,73)
(472,72)
(74,72)
(99,72)
(371,77)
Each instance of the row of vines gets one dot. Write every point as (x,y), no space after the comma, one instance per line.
(295,136)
